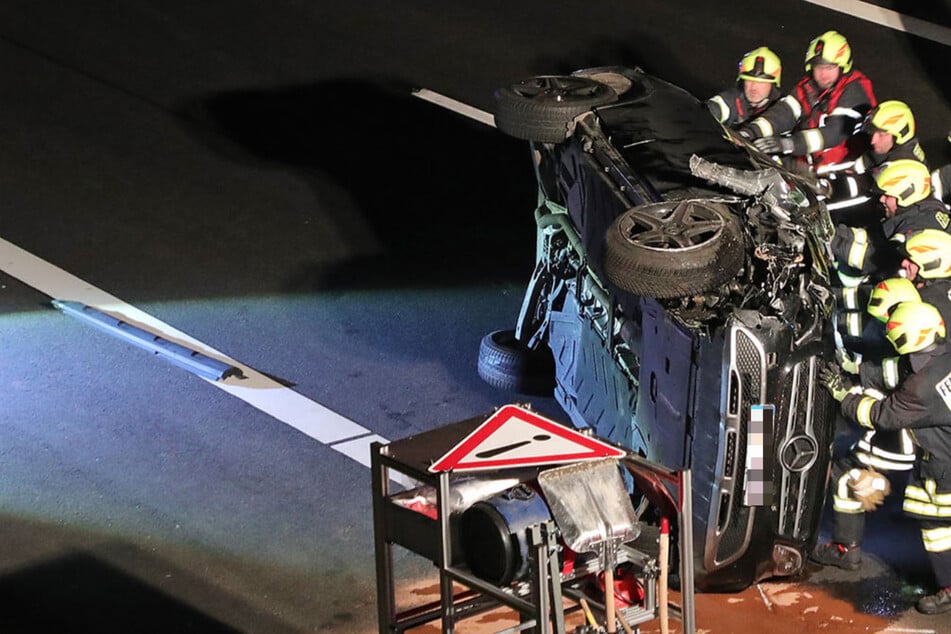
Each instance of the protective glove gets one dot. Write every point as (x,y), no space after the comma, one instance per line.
(746,132)
(868,487)
(848,362)
(775,145)
(831,377)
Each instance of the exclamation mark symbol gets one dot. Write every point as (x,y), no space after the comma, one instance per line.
(492,453)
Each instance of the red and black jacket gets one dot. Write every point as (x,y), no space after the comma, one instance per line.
(823,123)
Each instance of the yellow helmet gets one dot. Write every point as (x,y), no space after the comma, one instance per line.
(914,326)
(888,293)
(893,117)
(761,64)
(830,48)
(930,250)
(908,180)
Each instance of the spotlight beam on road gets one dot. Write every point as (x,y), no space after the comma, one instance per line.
(256,389)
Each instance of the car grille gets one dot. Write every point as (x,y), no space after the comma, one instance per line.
(798,451)
(747,374)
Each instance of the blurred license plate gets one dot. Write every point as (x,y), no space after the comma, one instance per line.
(758,473)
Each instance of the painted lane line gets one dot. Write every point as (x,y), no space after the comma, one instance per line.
(259,391)
(456,106)
(889,18)
(358,447)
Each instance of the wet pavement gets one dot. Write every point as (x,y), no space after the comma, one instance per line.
(871,605)
(879,597)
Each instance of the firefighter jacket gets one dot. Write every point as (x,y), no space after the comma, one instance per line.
(885,375)
(880,368)
(866,252)
(853,186)
(921,403)
(892,450)
(938,294)
(927,214)
(823,123)
(732,108)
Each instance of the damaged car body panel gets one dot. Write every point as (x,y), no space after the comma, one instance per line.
(682,287)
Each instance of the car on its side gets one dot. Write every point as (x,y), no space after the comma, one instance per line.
(680,306)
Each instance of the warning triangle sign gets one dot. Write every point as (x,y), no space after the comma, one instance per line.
(517,437)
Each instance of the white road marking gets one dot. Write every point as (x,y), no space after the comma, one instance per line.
(456,106)
(259,391)
(357,448)
(889,18)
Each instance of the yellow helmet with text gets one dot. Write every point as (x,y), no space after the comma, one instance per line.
(913,326)
(888,293)
(930,250)
(908,180)
(893,117)
(829,48)
(761,64)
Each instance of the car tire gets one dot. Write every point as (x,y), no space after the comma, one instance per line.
(674,249)
(542,108)
(507,364)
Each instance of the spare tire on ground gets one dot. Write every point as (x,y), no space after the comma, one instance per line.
(507,364)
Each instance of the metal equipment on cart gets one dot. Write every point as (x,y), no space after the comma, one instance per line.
(533,570)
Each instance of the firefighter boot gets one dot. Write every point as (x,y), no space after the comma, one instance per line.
(935,603)
(838,555)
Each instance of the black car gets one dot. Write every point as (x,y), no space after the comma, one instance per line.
(680,306)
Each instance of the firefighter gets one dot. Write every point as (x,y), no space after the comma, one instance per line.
(890,127)
(879,451)
(863,332)
(824,112)
(905,187)
(756,88)
(925,275)
(921,404)
(928,256)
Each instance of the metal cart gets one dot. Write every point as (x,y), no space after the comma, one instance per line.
(538,599)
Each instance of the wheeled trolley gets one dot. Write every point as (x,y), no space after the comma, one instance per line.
(546,586)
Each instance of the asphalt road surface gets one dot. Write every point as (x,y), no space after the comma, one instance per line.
(257,176)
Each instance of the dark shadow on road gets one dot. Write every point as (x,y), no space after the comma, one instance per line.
(79,593)
(448,200)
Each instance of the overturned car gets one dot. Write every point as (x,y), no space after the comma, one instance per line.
(680,306)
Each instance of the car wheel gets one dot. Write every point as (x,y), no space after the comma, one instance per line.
(542,108)
(674,249)
(506,363)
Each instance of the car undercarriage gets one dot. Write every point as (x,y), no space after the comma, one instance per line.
(682,291)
